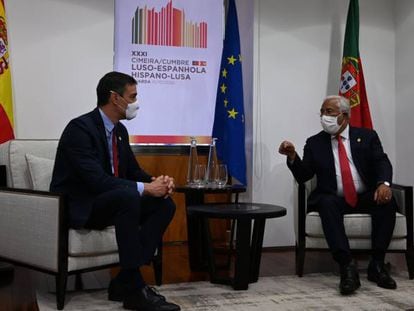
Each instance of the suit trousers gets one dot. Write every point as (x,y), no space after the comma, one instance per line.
(331,210)
(140,222)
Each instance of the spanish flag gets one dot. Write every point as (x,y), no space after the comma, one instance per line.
(6,104)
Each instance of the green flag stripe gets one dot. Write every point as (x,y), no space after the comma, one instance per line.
(351,45)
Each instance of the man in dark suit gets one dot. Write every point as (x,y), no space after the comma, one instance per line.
(104,185)
(353,175)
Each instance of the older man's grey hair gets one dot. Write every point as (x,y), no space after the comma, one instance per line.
(342,102)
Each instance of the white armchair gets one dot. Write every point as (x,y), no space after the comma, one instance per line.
(33,221)
(310,236)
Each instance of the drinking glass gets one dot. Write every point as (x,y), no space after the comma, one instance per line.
(221,175)
(199,174)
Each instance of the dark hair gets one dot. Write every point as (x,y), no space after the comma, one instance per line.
(112,81)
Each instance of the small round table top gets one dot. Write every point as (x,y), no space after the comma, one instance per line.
(237,210)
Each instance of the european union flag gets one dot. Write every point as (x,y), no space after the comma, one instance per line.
(229,114)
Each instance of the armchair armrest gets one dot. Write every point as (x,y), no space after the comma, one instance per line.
(33,229)
(3,176)
(404,197)
(302,196)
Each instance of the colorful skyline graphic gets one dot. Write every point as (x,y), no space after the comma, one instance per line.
(167,28)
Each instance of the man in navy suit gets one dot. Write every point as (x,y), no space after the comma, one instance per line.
(97,171)
(370,178)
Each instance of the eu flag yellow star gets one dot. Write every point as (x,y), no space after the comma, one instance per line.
(232,60)
(229,118)
(232,113)
(223,88)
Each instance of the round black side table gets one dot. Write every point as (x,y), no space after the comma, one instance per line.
(195,196)
(248,246)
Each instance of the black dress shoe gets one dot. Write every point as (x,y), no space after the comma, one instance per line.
(378,273)
(117,291)
(152,291)
(349,279)
(145,299)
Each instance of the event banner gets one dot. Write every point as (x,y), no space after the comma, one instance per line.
(173,49)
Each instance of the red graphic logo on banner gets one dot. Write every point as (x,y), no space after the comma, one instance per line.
(168,27)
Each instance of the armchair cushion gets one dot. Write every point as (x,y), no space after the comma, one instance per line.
(13,155)
(40,170)
(92,242)
(357,226)
(82,243)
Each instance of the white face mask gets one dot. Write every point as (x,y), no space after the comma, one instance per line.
(330,124)
(131,111)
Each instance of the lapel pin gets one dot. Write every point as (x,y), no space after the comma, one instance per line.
(119,137)
(358,139)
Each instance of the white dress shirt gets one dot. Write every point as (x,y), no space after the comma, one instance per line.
(359,184)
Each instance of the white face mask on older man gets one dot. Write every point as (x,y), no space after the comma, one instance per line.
(330,124)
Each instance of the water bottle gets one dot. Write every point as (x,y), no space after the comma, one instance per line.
(192,162)
(211,164)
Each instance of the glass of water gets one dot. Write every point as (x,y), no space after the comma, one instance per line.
(199,174)
(221,175)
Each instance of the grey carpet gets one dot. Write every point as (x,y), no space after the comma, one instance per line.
(311,292)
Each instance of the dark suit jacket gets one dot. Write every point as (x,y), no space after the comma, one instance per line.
(370,160)
(83,169)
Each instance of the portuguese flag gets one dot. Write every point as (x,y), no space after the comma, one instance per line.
(352,76)
(6,105)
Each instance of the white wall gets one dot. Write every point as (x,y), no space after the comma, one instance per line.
(59,50)
(298,54)
(404,29)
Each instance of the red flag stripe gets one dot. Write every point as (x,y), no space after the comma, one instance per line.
(6,130)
